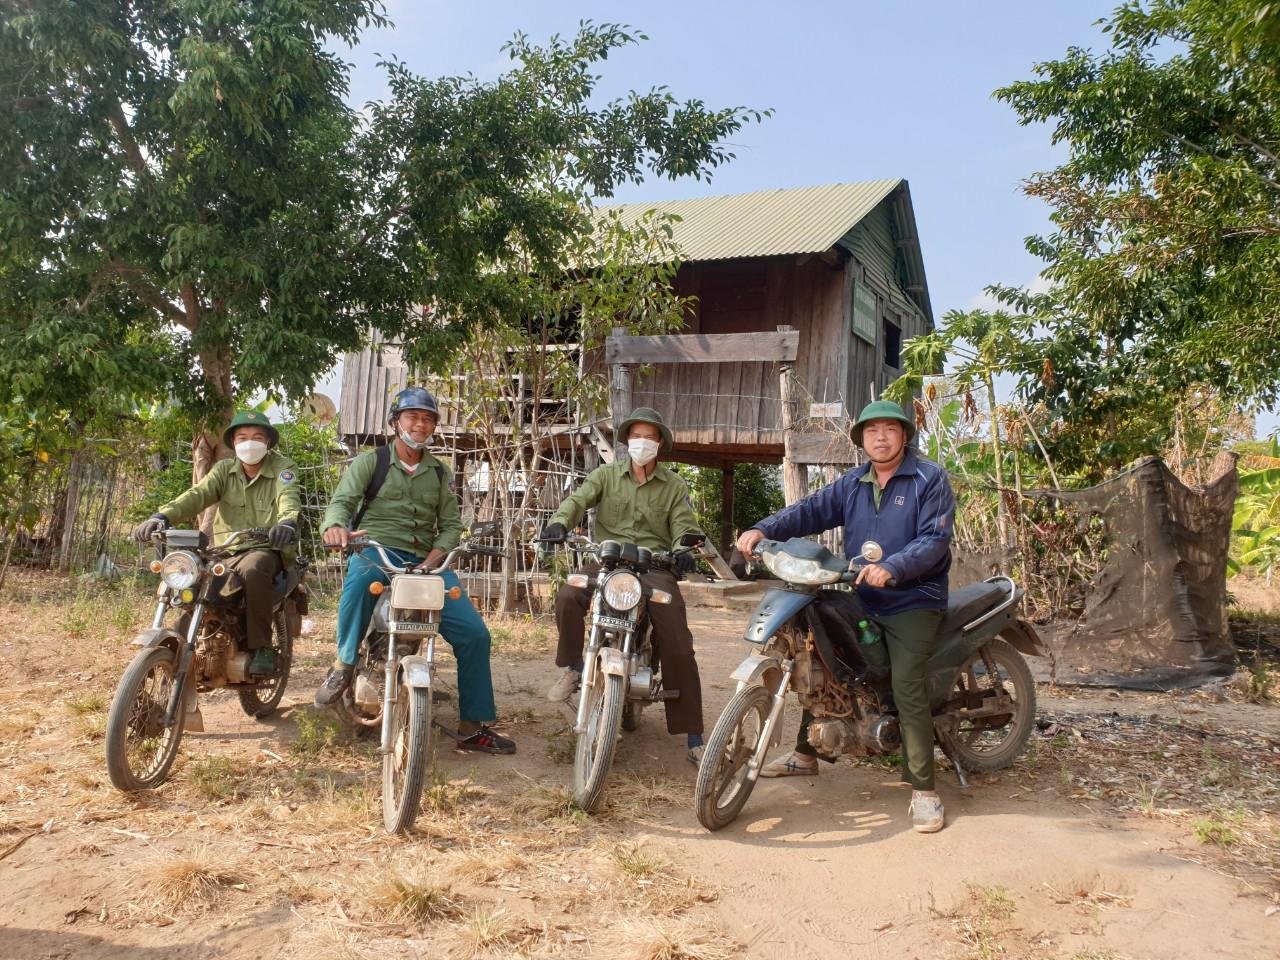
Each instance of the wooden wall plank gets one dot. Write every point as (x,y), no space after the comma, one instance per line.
(702,348)
(821,448)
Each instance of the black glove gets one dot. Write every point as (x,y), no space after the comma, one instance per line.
(282,534)
(553,533)
(694,538)
(149,527)
(685,562)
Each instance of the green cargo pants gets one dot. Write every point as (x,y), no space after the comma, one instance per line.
(910,638)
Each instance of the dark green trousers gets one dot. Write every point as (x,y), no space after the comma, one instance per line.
(910,638)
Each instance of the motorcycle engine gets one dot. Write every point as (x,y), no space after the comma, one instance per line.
(367,694)
(841,725)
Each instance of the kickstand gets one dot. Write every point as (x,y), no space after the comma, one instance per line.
(949,749)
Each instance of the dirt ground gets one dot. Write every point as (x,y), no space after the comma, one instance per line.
(1137,826)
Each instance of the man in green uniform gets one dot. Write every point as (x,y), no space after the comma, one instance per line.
(638,501)
(412,511)
(258,488)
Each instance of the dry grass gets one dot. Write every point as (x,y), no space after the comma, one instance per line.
(520,637)
(412,899)
(483,865)
(659,939)
(485,928)
(190,882)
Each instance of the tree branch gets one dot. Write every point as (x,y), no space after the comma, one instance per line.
(149,294)
(131,150)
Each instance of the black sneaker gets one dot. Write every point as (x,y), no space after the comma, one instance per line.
(337,681)
(264,662)
(486,741)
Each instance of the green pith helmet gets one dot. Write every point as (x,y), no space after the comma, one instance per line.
(882,410)
(251,418)
(646,415)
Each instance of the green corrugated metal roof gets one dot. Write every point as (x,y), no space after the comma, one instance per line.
(769,223)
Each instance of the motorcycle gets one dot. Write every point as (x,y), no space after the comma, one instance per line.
(814,639)
(204,649)
(620,674)
(395,671)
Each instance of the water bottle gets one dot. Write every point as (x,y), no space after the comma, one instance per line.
(871,640)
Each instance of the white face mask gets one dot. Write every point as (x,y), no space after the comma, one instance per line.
(251,451)
(407,439)
(642,451)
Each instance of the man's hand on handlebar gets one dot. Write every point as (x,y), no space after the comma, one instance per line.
(747,541)
(432,560)
(874,575)
(336,538)
(553,533)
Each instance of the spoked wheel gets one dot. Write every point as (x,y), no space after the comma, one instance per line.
(594,756)
(265,697)
(993,742)
(723,786)
(140,748)
(404,766)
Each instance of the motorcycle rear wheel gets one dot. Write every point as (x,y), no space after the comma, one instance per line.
(263,699)
(980,745)
(140,749)
(596,744)
(723,786)
(404,768)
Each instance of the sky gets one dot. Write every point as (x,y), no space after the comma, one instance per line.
(859,91)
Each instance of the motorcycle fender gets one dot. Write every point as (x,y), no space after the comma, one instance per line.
(776,607)
(159,637)
(753,668)
(416,671)
(1023,637)
(612,662)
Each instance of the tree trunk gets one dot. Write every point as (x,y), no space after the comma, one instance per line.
(795,476)
(71,507)
(207,447)
(1002,510)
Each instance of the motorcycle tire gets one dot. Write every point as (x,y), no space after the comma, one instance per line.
(404,766)
(976,751)
(723,787)
(140,750)
(263,699)
(594,754)
(631,715)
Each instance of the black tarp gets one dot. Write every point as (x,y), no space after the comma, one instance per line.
(1154,614)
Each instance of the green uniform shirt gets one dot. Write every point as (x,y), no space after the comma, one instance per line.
(413,511)
(876,489)
(243,502)
(653,514)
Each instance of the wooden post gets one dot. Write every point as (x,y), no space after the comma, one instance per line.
(795,476)
(726,511)
(620,378)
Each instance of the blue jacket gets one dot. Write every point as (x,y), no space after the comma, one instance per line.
(913,525)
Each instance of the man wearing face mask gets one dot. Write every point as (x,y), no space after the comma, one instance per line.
(407,504)
(257,488)
(638,501)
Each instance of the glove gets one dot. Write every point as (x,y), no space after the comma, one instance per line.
(694,538)
(554,533)
(149,527)
(282,534)
(685,562)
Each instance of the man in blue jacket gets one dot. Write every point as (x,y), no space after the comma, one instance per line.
(903,502)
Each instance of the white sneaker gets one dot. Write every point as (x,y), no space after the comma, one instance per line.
(792,765)
(925,812)
(565,684)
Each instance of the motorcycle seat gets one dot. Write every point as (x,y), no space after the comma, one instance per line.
(969,602)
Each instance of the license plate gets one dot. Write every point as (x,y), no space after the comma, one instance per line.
(615,622)
(409,627)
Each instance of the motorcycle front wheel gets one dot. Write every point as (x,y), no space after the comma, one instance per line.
(262,700)
(986,744)
(140,748)
(723,785)
(404,766)
(594,755)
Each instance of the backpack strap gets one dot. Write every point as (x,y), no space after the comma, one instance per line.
(382,464)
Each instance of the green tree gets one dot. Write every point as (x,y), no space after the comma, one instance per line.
(189,207)
(1167,209)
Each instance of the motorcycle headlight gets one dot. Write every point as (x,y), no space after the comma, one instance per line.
(796,570)
(180,570)
(622,591)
